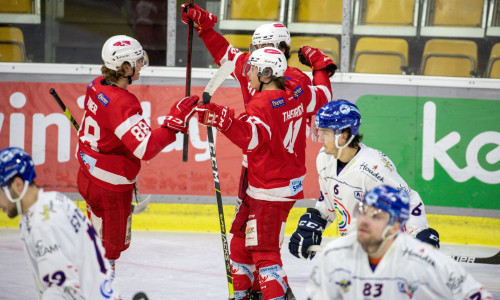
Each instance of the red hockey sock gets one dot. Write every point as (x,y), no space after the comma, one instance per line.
(242,267)
(272,279)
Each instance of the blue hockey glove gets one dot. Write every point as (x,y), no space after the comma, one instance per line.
(429,236)
(308,233)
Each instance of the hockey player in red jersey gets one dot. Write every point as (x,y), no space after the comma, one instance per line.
(267,35)
(113,139)
(272,134)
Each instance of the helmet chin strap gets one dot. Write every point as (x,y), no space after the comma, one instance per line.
(337,137)
(385,237)
(18,199)
(130,77)
(262,83)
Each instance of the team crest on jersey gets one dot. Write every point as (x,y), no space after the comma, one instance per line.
(344,284)
(358,195)
(407,289)
(297,92)
(343,216)
(278,102)
(104,100)
(45,212)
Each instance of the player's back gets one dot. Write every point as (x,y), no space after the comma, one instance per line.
(280,161)
(64,248)
(106,108)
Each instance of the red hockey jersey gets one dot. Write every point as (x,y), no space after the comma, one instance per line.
(222,51)
(114,137)
(274,138)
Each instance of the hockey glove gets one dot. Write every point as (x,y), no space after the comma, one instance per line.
(429,236)
(308,233)
(211,114)
(180,113)
(203,20)
(315,59)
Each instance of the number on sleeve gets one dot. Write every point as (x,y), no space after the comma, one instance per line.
(57,277)
(140,131)
(417,211)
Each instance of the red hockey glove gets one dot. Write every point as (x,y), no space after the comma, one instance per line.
(202,19)
(317,60)
(180,113)
(214,115)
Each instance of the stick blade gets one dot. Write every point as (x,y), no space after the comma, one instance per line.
(222,73)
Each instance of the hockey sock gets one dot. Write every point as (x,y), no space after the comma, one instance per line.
(273,283)
(242,267)
(272,279)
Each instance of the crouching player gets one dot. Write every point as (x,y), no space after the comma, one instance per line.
(379,262)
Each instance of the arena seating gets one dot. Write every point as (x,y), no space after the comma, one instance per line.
(12,47)
(380,56)
(449,58)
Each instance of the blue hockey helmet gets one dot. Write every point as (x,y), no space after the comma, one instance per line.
(15,162)
(339,115)
(391,200)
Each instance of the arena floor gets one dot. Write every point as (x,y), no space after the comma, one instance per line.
(175,265)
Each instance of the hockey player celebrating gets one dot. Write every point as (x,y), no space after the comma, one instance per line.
(378,262)
(63,250)
(347,169)
(273,135)
(266,35)
(115,137)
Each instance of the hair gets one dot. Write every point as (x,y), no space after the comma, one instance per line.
(280,81)
(357,139)
(112,75)
(285,48)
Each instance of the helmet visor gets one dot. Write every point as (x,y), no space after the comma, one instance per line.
(320,135)
(144,60)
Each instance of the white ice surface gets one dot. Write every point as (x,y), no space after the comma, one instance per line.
(176,266)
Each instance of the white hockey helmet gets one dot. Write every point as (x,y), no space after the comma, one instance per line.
(121,48)
(269,62)
(272,33)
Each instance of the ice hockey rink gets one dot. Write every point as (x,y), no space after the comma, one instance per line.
(184,265)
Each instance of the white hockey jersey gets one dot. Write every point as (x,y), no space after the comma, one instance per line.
(410,269)
(368,169)
(64,252)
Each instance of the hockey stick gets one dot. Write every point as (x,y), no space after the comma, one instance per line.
(492,260)
(187,93)
(64,108)
(224,71)
(136,209)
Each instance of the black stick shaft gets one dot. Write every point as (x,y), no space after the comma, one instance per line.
(64,108)
(185,144)
(492,260)
(218,195)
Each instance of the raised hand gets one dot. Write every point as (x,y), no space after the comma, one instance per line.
(317,60)
(202,19)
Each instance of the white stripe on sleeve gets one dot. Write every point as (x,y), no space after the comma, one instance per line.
(126,125)
(254,140)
